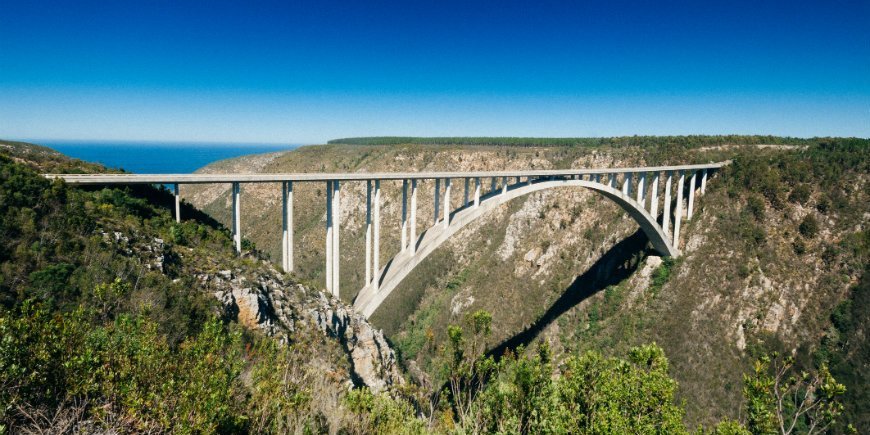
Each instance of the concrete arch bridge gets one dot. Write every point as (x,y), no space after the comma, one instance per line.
(635,190)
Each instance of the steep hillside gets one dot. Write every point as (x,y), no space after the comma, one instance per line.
(779,242)
(113,317)
(571,269)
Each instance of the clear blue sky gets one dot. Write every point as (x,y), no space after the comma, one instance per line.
(291,72)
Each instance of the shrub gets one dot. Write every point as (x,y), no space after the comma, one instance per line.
(382,414)
(830,254)
(52,281)
(107,297)
(521,397)
(248,245)
(729,427)
(616,396)
(743,270)
(753,233)
(755,206)
(176,234)
(126,369)
(800,194)
(809,227)
(661,275)
(799,247)
(823,205)
(41,357)
(281,389)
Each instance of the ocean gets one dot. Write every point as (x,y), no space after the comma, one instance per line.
(158,157)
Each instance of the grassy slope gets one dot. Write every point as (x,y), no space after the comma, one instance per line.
(725,297)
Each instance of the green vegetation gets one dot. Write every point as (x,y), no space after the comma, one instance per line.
(103,327)
(845,348)
(661,276)
(124,371)
(782,402)
(420,332)
(589,393)
(594,394)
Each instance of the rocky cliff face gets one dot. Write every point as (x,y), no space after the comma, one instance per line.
(269,302)
(261,298)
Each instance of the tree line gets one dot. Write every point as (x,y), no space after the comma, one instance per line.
(689,141)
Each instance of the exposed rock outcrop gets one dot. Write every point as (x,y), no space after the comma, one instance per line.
(265,299)
(373,360)
(272,304)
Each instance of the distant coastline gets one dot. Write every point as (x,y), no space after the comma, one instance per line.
(158,157)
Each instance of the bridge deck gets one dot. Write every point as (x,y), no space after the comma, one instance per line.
(352,176)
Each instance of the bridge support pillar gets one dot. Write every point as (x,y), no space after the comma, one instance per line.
(336,227)
(376,254)
(437,199)
(626,184)
(237,223)
(446,202)
(654,197)
(679,213)
(465,201)
(287,221)
(666,207)
(177,203)
(692,183)
(703,182)
(413,240)
(368,232)
(641,191)
(404,215)
(329,239)
(492,184)
(504,184)
(476,192)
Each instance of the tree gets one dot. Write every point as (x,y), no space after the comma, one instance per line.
(610,395)
(780,401)
(467,371)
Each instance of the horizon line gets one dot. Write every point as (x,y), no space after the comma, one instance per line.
(38,141)
(326,142)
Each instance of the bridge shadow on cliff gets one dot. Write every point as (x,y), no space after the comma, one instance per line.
(612,268)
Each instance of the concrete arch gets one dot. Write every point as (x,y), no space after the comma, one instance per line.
(368,300)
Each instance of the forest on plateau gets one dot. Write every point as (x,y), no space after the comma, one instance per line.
(623,141)
(115,318)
